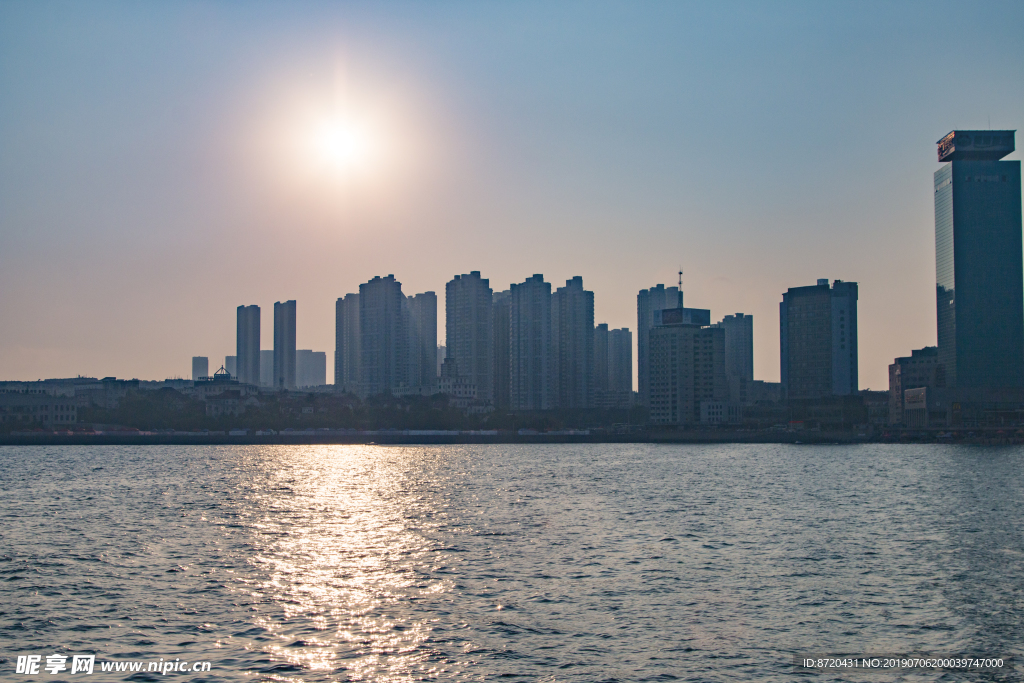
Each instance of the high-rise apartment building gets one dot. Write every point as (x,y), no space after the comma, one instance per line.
(392,344)
(818,335)
(231,366)
(600,376)
(266,367)
(501,307)
(247,348)
(620,361)
(284,344)
(978,263)
(382,346)
(613,368)
(739,344)
(647,302)
(572,339)
(200,367)
(739,354)
(531,385)
(346,343)
(421,341)
(310,368)
(469,332)
(686,367)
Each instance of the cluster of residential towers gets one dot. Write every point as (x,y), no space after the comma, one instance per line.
(529,347)
(526,348)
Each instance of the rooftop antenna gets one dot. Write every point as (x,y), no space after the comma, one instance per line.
(680,288)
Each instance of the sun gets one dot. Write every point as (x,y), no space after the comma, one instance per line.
(343,145)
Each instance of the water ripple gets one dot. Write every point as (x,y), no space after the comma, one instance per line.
(541,563)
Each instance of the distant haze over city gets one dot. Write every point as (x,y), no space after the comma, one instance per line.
(166,163)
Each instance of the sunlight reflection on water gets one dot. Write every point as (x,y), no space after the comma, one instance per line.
(469,563)
(338,552)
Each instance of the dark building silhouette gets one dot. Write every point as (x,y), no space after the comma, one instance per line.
(310,368)
(572,338)
(346,343)
(600,375)
(469,332)
(818,340)
(686,366)
(920,369)
(247,347)
(200,367)
(266,367)
(382,336)
(647,302)
(420,326)
(612,380)
(501,307)
(620,361)
(531,385)
(397,348)
(739,354)
(284,344)
(978,263)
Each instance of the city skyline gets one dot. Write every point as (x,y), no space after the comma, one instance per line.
(555,357)
(146,166)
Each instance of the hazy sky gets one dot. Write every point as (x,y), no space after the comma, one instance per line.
(163,163)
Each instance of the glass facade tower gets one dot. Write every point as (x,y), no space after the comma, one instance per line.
(979,274)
